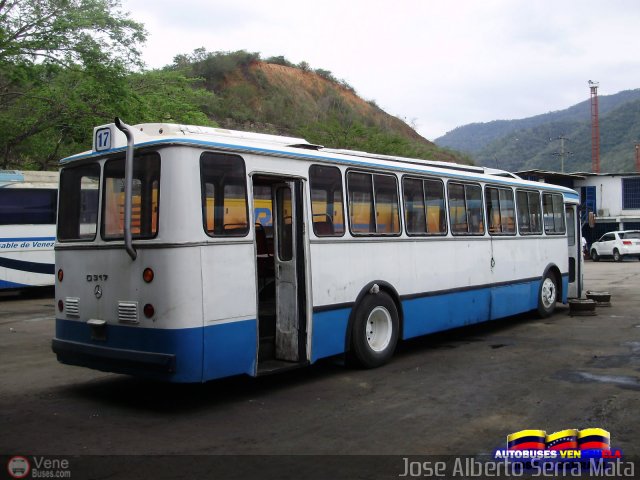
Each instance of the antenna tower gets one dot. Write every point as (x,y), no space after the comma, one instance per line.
(595,128)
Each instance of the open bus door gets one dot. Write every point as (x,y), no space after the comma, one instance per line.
(574,241)
(281,274)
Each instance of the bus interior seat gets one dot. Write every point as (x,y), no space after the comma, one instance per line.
(262,246)
(323,228)
(235,228)
(265,261)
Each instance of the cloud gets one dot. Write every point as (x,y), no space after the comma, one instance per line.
(443,64)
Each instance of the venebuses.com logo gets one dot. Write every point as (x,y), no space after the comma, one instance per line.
(20,466)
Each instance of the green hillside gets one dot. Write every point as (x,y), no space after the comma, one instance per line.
(275,96)
(533,142)
(80,65)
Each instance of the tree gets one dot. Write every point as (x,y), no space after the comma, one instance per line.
(55,118)
(67,32)
(62,63)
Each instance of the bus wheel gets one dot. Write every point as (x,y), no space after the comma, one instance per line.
(548,295)
(374,333)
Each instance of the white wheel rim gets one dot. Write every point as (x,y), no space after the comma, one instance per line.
(548,293)
(378,329)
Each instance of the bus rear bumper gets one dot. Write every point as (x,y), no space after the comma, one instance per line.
(112,359)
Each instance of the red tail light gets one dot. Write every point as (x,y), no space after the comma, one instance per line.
(60,305)
(148,275)
(627,242)
(149,310)
(60,275)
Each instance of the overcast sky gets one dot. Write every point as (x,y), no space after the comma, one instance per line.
(436,64)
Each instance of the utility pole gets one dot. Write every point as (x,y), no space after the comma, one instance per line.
(562,153)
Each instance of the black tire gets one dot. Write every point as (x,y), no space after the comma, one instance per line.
(594,255)
(374,332)
(616,255)
(547,295)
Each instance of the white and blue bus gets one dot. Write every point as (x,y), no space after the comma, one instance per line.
(188,253)
(28,202)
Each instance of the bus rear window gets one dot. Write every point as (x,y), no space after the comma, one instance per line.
(224,195)
(78,210)
(145,197)
(28,206)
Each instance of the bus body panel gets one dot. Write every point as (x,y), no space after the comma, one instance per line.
(437,291)
(26,255)
(110,289)
(206,322)
(229,309)
(27,228)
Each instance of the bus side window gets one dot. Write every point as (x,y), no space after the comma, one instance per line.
(326,201)
(529,216)
(500,211)
(414,208)
(386,204)
(424,206)
(553,213)
(361,214)
(465,209)
(22,206)
(373,203)
(224,195)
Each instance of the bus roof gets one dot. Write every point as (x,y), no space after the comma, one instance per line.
(276,145)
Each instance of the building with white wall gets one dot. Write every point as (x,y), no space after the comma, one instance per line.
(614,198)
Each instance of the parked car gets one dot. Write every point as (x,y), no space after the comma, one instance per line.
(617,245)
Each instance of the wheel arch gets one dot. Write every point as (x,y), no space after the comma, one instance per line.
(385,287)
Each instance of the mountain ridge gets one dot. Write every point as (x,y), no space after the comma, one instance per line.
(273,96)
(533,142)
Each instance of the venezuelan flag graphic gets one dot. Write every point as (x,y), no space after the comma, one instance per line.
(563,440)
(527,440)
(594,439)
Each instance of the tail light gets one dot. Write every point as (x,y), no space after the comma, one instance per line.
(627,242)
(148,275)
(148,310)
(60,305)
(60,275)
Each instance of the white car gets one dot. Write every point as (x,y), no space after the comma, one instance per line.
(617,245)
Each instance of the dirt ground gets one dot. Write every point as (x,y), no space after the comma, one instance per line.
(457,393)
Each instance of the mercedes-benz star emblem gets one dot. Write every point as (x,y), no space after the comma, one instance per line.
(97,291)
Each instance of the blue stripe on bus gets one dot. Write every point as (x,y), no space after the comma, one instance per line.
(5,284)
(201,353)
(435,313)
(31,267)
(28,239)
(328,336)
(227,349)
(230,349)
